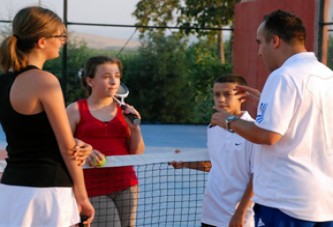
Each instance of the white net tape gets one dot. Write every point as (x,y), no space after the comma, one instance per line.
(154,156)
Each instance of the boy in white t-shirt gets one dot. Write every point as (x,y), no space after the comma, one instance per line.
(227,198)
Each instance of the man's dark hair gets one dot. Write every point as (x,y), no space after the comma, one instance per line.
(231,78)
(287,26)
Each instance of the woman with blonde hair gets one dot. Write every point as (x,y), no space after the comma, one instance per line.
(42,184)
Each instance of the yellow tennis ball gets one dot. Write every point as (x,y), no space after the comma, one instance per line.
(101,163)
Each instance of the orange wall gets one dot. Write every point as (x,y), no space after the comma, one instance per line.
(248,15)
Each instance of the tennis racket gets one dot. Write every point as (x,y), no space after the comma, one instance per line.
(119,97)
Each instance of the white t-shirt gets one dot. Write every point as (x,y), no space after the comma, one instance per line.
(231,157)
(295,175)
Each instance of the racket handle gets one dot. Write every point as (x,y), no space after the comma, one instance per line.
(133,118)
(83,218)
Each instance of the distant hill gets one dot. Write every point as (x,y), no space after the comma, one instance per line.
(103,42)
(100,42)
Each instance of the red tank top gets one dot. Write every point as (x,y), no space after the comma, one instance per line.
(110,138)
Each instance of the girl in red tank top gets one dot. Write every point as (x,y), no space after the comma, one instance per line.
(99,121)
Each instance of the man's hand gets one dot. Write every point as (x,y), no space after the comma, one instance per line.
(250,95)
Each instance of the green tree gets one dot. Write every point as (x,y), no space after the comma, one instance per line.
(159,82)
(171,82)
(188,14)
(205,67)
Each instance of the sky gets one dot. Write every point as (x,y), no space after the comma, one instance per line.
(84,11)
(90,11)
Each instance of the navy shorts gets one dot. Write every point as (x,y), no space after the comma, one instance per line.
(272,217)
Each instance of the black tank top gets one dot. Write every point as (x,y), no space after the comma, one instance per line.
(34,157)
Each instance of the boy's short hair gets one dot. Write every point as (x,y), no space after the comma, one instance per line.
(231,78)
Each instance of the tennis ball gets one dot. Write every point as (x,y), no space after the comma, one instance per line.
(101,163)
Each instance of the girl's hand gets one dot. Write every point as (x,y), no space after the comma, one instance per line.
(95,158)
(82,151)
(131,110)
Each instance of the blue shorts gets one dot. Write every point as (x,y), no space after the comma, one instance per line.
(271,217)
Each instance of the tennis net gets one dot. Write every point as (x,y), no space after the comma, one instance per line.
(165,196)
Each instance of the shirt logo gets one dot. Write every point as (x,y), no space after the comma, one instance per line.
(261,114)
(260,223)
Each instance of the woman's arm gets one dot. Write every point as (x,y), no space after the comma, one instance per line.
(51,98)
